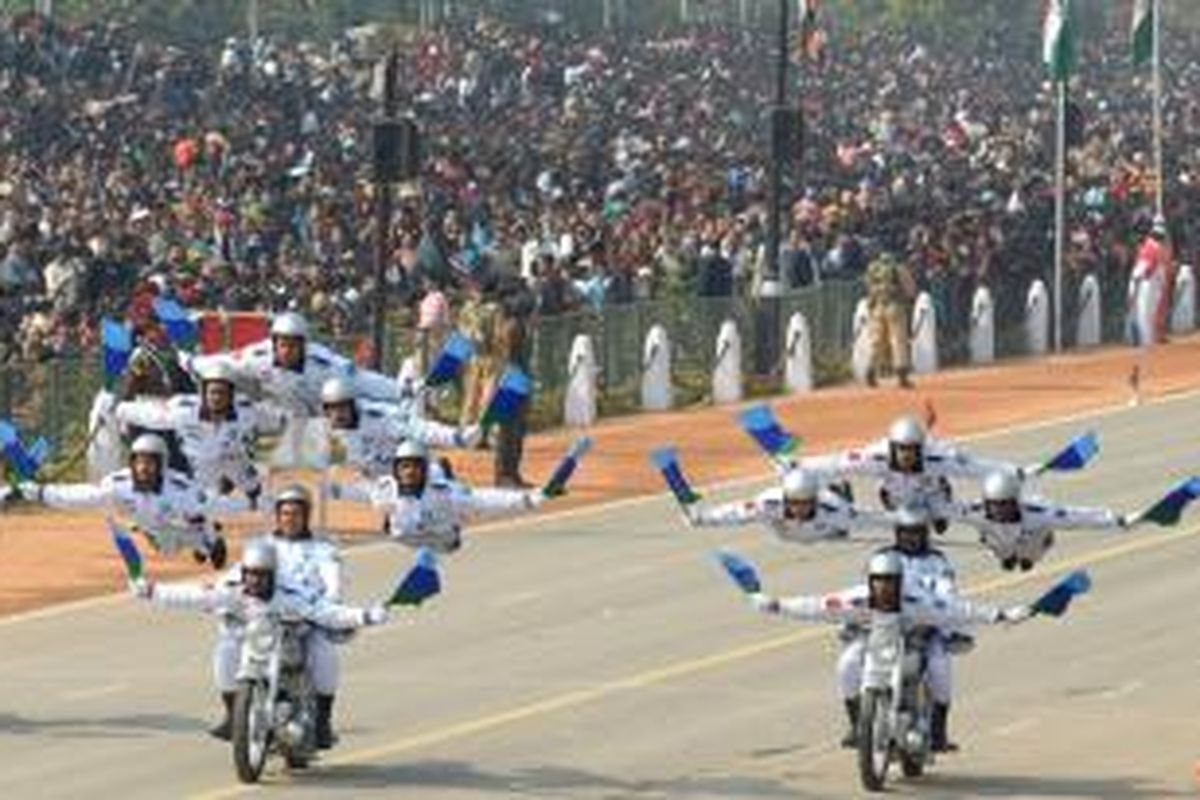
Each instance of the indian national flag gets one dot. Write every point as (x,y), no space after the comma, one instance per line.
(1141,30)
(1058,46)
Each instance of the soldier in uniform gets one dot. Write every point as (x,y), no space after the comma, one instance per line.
(513,345)
(477,321)
(890,289)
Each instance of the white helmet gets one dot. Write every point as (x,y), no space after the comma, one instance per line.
(218,371)
(411,448)
(260,554)
(294,493)
(1001,484)
(800,484)
(912,517)
(888,562)
(337,390)
(289,324)
(907,430)
(148,444)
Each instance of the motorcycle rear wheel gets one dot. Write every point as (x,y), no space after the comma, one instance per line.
(874,739)
(251,732)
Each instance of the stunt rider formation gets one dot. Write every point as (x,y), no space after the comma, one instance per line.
(280,610)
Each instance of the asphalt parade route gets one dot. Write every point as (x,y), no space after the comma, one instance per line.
(601,654)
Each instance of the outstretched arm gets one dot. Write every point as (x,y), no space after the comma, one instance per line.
(70,495)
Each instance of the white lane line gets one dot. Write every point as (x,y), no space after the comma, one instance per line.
(1023,724)
(552,517)
(94,692)
(1117,692)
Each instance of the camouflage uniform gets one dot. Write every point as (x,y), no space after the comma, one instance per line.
(890,287)
(477,321)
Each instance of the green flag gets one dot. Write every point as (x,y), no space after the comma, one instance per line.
(1058,46)
(1141,30)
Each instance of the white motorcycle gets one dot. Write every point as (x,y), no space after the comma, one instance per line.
(896,713)
(274,709)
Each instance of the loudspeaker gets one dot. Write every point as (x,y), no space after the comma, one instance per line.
(787,132)
(397,150)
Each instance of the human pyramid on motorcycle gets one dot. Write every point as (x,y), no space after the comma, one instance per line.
(280,610)
(901,626)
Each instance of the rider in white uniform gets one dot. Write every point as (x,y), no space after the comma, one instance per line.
(258,579)
(797,511)
(170,509)
(425,507)
(370,431)
(218,430)
(914,468)
(1019,531)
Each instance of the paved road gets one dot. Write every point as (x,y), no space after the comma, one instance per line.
(601,655)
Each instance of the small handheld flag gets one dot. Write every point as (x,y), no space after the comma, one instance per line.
(25,461)
(1169,509)
(420,583)
(1075,455)
(759,421)
(181,330)
(667,461)
(117,344)
(557,484)
(1056,601)
(512,392)
(455,354)
(127,549)
(740,571)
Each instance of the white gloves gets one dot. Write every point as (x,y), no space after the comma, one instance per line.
(534,499)
(469,436)
(764,604)
(375,615)
(1015,614)
(141,588)
(691,515)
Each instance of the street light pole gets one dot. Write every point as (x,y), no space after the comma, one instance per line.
(383,213)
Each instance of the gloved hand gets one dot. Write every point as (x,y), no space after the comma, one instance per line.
(764,603)
(141,588)
(469,436)
(1015,614)
(535,498)
(1124,521)
(375,615)
(691,515)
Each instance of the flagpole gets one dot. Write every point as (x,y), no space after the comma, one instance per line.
(1158,129)
(1060,185)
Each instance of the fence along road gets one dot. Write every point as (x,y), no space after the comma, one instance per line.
(602,655)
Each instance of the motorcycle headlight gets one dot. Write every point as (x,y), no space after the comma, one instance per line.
(260,638)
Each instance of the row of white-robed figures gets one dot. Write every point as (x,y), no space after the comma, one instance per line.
(656,389)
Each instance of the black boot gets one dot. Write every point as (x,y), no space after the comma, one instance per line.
(850,740)
(218,553)
(324,722)
(223,730)
(902,375)
(939,738)
(872,380)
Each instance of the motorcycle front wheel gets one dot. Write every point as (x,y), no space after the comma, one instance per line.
(251,730)
(874,739)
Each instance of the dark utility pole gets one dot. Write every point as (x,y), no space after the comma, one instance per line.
(384,176)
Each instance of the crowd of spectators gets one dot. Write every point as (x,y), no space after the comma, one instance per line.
(585,170)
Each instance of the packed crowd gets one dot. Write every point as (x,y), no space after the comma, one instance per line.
(581,171)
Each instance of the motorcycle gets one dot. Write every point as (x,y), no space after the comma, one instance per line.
(274,708)
(896,712)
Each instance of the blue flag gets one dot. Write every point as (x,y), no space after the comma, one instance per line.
(181,330)
(117,343)
(667,461)
(455,354)
(558,481)
(127,550)
(1168,510)
(512,392)
(25,461)
(420,583)
(1075,455)
(741,571)
(759,421)
(1056,601)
